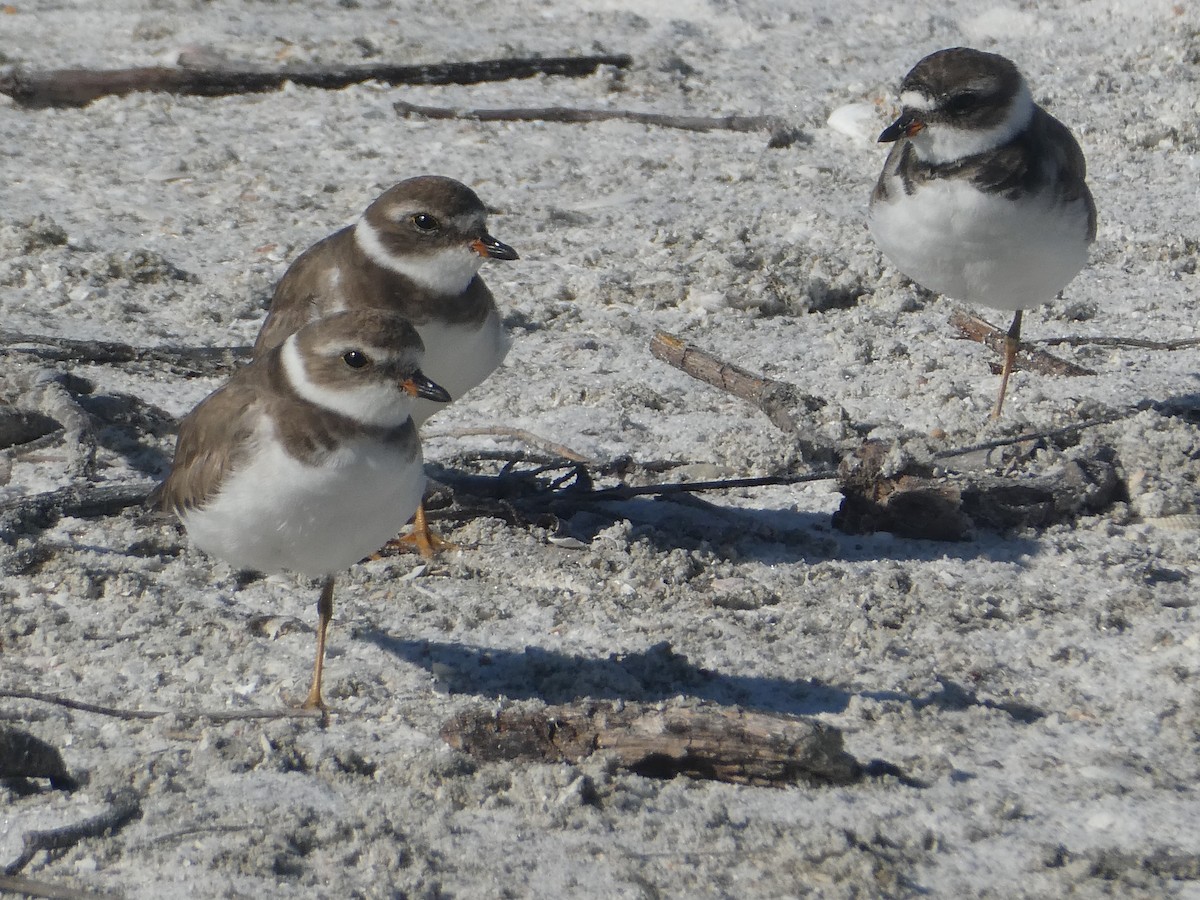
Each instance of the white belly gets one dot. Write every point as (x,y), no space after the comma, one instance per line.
(459,357)
(277,513)
(979,247)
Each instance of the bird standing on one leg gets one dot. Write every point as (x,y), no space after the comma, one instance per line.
(307,459)
(983,196)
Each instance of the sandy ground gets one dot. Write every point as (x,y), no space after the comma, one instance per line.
(1039,684)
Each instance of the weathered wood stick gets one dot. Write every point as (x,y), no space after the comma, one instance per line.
(775,398)
(571,114)
(662,740)
(196,361)
(1125,342)
(977,329)
(79,87)
(779,401)
(85,500)
(50,890)
(216,715)
(123,811)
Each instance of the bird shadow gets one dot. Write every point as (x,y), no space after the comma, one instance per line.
(654,674)
(127,426)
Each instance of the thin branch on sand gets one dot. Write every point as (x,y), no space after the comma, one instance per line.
(54,840)
(189,361)
(215,715)
(79,87)
(782,134)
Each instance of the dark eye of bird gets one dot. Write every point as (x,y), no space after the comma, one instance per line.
(961,103)
(355,359)
(425,222)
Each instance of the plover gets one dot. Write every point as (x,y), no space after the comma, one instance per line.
(416,251)
(982,197)
(307,459)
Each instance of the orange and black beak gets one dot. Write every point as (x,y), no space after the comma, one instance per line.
(490,248)
(419,385)
(907,125)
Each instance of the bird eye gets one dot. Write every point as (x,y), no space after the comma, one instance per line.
(355,359)
(961,103)
(425,222)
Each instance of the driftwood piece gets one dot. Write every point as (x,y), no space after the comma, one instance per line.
(36,887)
(662,740)
(782,134)
(24,756)
(913,503)
(781,402)
(79,87)
(187,361)
(52,397)
(84,500)
(123,811)
(976,329)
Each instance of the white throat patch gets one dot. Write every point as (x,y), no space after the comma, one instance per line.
(942,143)
(448,272)
(373,402)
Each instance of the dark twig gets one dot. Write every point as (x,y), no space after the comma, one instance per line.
(1131,343)
(78,87)
(627,492)
(772,124)
(216,715)
(976,329)
(35,887)
(1049,436)
(191,361)
(123,811)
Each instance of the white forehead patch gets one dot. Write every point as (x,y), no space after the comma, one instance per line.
(448,271)
(916,100)
(942,143)
(371,400)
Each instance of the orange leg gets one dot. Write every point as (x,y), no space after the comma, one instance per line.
(428,543)
(1011,342)
(324,614)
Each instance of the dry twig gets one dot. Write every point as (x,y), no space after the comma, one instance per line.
(782,134)
(123,811)
(35,887)
(780,401)
(188,361)
(976,329)
(1124,342)
(215,715)
(79,87)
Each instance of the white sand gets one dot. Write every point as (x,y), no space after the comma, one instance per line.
(1039,682)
